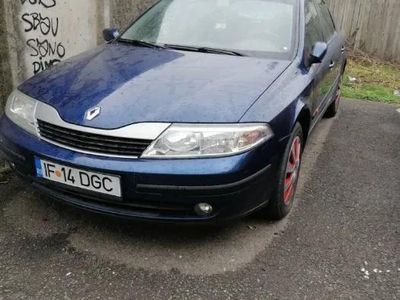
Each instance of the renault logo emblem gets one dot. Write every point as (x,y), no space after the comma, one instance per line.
(92,113)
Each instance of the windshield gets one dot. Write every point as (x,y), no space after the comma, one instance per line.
(251,27)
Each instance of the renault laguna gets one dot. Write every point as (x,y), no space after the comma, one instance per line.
(198,112)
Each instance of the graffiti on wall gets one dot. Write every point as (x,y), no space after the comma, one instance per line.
(44,47)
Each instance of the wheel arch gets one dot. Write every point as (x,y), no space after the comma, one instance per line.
(303,117)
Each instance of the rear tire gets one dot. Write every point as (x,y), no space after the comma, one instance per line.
(334,106)
(282,198)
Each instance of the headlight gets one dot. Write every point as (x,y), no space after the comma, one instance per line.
(20,109)
(185,140)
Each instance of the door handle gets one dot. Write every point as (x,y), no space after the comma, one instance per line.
(332,65)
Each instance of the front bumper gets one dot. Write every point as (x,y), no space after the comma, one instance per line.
(157,190)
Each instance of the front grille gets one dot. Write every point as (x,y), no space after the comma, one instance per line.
(93,143)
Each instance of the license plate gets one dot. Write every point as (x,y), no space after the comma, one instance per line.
(91,181)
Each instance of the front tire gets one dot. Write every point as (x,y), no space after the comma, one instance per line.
(282,199)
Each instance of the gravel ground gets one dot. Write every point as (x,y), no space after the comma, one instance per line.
(341,241)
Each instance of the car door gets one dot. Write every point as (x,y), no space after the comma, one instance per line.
(333,61)
(319,72)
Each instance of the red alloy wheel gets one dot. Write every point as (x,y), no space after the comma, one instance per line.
(292,170)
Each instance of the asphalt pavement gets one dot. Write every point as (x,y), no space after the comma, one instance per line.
(342,240)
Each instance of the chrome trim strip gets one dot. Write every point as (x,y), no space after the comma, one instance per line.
(142,131)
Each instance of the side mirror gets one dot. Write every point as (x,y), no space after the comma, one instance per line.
(110,33)
(318,52)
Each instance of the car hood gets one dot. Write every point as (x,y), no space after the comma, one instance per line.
(135,84)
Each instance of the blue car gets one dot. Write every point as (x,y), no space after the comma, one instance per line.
(198,112)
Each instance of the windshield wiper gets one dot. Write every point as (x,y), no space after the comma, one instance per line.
(203,49)
(140,43)
(180,47)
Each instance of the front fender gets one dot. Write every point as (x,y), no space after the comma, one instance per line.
(297,111)
(284,103)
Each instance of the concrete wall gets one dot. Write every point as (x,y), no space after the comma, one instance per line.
(36,34)
(123,12)
(41,33)
(5,68)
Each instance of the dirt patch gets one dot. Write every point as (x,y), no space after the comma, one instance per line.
(29,212)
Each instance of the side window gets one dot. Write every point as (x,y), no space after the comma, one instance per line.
(313,32)
(327,24)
